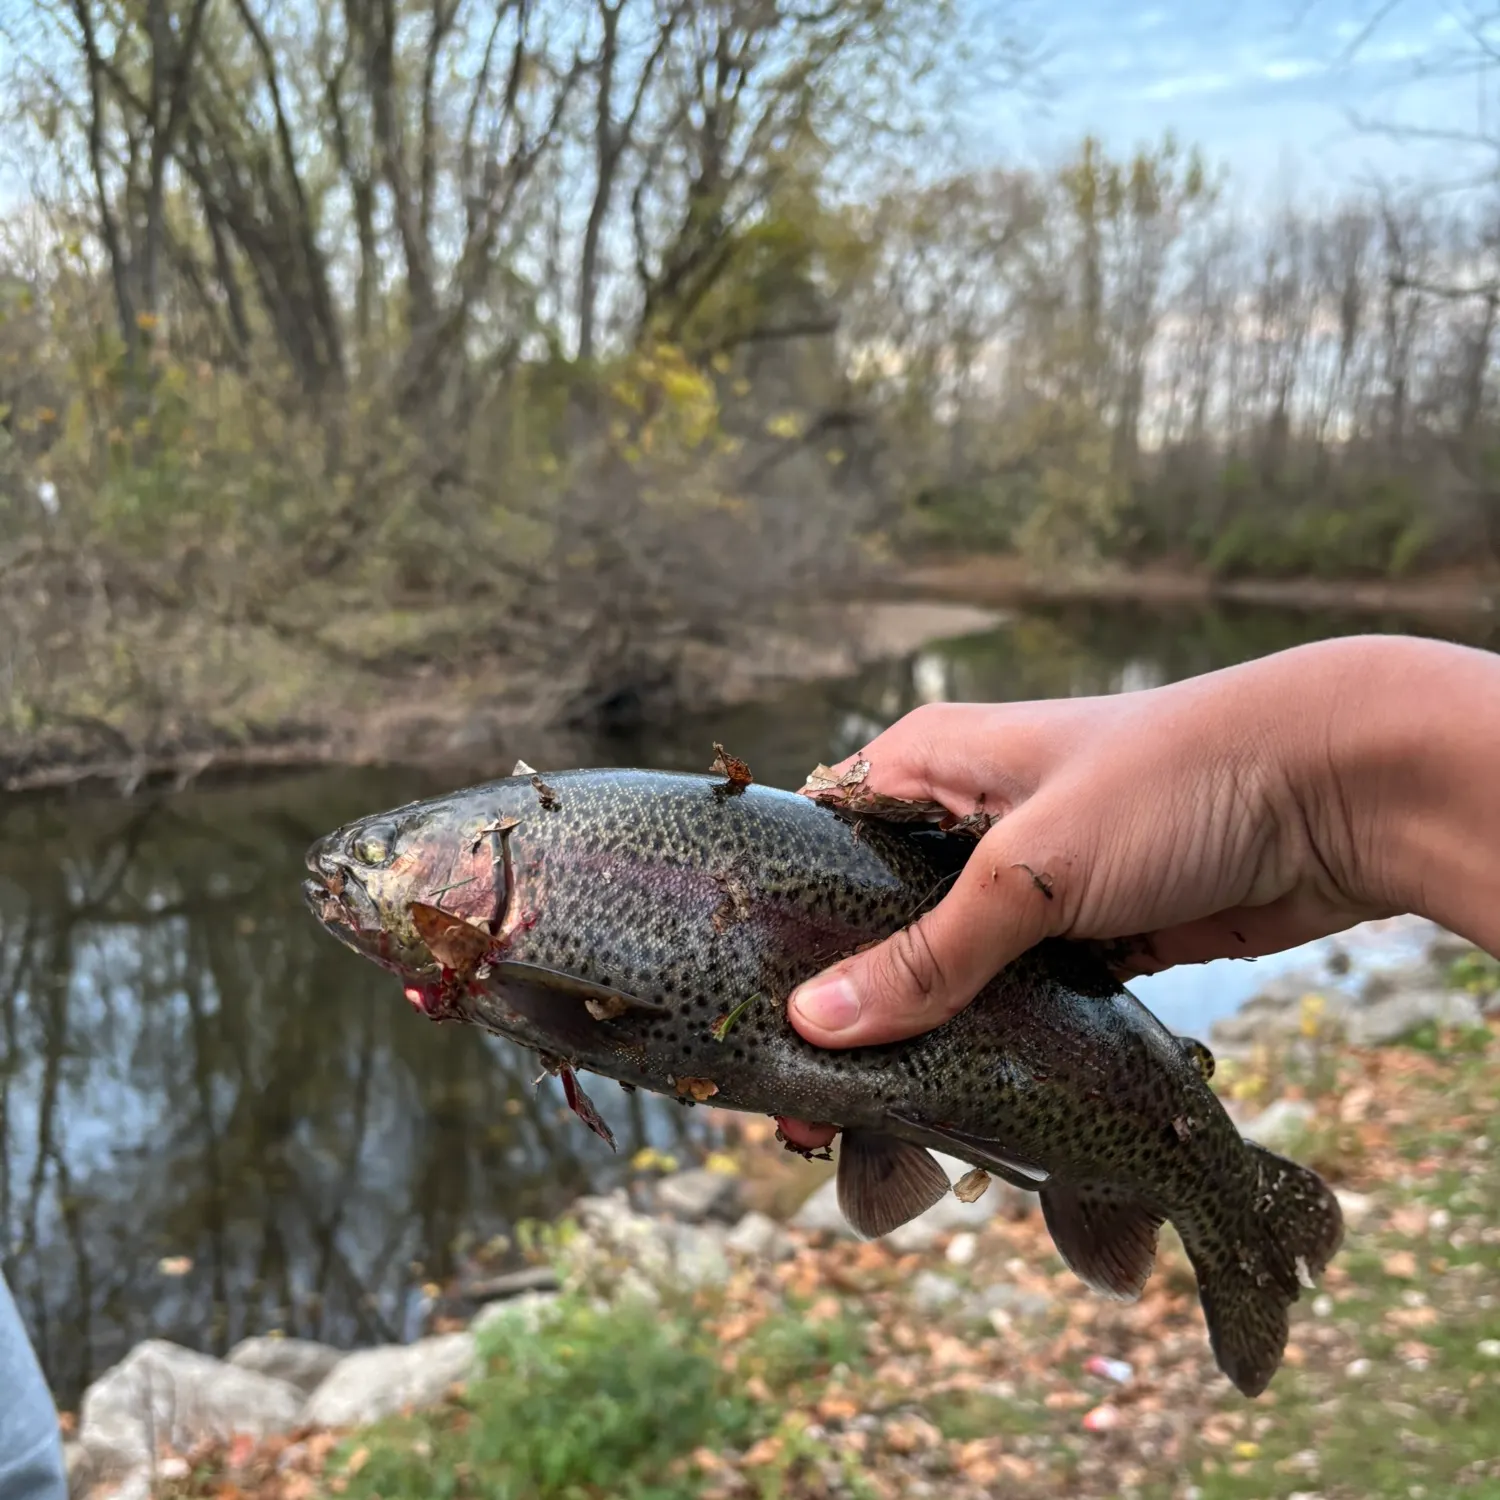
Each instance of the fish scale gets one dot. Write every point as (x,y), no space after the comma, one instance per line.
(649,926)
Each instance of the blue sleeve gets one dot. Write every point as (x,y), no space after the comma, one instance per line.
(31,1464)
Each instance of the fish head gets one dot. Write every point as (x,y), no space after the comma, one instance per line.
(371,882)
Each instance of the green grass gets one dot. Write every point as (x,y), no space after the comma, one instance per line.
(601,1403)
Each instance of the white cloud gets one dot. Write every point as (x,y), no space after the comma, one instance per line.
(1186,85)
(1284,69)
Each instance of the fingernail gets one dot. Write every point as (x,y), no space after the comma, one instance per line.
(828,1004)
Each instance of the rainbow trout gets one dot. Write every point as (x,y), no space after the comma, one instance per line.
(649,927)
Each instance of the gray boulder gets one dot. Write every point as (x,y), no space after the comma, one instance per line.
(161,1394)
(374,1383)
(820,1213)
(931,1291)
(758,1236)
(528,1312)
(699,1194)
(1399,1014)
(619,1250)
(299,1362)
(1278,1126)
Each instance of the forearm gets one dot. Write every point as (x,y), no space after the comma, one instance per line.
(1404,788)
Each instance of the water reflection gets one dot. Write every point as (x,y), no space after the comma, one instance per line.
(190,1068)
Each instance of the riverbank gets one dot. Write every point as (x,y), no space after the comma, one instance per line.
(1452,596)
(429,686)
(431,704)
(682,1343)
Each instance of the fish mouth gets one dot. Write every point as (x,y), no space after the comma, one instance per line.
(338,899)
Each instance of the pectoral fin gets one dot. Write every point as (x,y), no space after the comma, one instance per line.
(567,1009)
(884,1182)
(1106,1236)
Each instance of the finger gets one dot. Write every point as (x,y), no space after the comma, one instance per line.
(1252,931)
(939,753)
(1003,902)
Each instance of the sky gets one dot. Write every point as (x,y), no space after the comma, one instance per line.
(1266,87)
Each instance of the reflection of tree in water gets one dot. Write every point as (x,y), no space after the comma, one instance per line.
(189,1067)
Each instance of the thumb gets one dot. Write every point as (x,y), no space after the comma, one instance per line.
(919,977)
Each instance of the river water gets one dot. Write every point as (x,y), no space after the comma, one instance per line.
(215,1121)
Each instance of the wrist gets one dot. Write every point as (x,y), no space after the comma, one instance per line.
(1398,777)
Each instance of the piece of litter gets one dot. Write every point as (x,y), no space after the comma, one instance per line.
(1103,1418)
(962,1248)
(1118,1370)
(1488,1348)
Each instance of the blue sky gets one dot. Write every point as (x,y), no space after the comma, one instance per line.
(1265,87)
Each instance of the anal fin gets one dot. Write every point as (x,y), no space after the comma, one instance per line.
(1105,1235)
(884,1182)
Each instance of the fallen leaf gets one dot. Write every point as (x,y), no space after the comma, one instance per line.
(971,1187)
(1400,1263)
(766,1451)
(731,767)
(607,1008)
(456,944)
(175,1265)
(910,1434)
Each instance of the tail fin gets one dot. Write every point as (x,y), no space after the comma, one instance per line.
(1252,1264)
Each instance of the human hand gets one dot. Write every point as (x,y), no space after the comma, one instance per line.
(1234,814)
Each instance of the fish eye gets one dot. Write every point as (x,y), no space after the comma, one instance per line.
(375,846)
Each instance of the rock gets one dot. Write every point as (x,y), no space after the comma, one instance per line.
(758,1236)
(931,1292)
(299,1362)
(618,1250)
(1002,1303)
(699,1194)
(1278,1126)
(820,1213)
(374,1383)
(78,1466)
(1400,1014)
(1446,948)
(161,1392)
(698,1255)
(136,1485)
(962,1248)
(1276,1011)
(1356,1207)
(528,1311)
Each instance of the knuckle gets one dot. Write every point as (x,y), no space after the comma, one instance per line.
(913,967)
